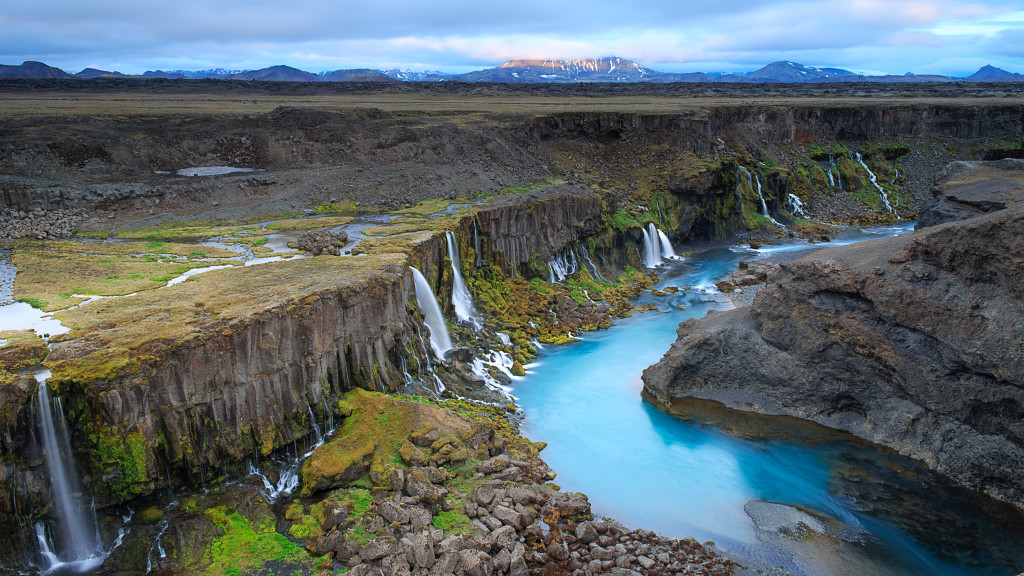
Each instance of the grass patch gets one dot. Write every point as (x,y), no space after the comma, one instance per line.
(246,544)
(121,248)
(47,280)
(34,302)
(309,223)
(394,229)
(425,208)
(23,349)
(197,232)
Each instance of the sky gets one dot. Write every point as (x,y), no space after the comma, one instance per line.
(865,36)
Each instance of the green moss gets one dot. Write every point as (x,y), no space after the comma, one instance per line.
(453,521)
(246,544)
(151,515)
(308,524)
(34,302)
(126,456)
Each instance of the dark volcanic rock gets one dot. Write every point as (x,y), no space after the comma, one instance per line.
(967,189)
(914,342)
(322,242)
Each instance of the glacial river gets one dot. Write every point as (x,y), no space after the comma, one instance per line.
(880,513)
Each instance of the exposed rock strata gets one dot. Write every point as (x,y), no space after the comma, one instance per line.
(968,189)
(913,342)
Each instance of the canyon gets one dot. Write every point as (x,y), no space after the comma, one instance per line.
(183,385)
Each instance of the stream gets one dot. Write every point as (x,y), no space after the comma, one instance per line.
(776,490)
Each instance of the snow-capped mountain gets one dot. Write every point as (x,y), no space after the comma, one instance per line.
(608,69)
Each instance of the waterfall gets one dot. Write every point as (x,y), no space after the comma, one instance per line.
(461,298)
(594,272)
(563,265)
(874,181)
(78,528)
(796,205)
(652,254)
(440,341)
(832,164)
(666,246)
(476,244)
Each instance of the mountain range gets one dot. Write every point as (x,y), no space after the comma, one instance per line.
(608,69)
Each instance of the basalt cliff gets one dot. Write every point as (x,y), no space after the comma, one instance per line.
(912,342)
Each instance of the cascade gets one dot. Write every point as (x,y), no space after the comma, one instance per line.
(440,341)
(667,251)
(78,529)
(652,255)
(157,546)
(874,181)
(760,195)
(461,298)
(796,205)
(594,272)
(832,164)
(562,265)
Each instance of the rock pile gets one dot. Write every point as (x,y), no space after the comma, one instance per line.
(448,513)
(39,223)
(322,242)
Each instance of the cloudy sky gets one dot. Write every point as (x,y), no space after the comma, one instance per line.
(866,36)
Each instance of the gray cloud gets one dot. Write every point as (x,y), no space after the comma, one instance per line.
(458,35)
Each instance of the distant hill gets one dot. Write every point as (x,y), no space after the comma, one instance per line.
(32,69)
(609,69)
(276,74)
(784,71)
(992,74)
(355,75)
(94,73)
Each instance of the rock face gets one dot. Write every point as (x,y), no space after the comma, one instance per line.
(912,342)
(967,189)
(540,223)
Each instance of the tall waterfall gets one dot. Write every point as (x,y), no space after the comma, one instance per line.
(77,526)
(461,298)
(652,255)
(874,181)
(440,341)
